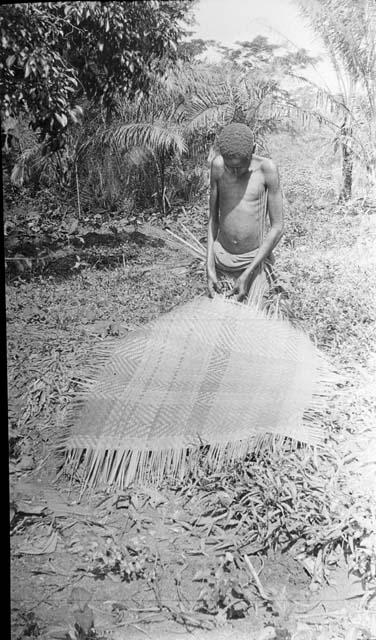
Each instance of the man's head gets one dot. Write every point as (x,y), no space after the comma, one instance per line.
(236,144)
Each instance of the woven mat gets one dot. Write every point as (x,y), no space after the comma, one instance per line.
(211,372)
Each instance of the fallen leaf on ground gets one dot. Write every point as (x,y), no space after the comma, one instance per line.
(38,548)
(26,463)
(79,597)
(30,509)
(58,633)
(268,633)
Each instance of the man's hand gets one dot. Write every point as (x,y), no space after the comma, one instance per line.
(241,287)
(212,285)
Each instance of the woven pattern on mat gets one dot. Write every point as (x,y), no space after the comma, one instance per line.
(212,372)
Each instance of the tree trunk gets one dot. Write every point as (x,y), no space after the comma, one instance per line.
(347,164)
(347,174)
(371,180)
(162,169)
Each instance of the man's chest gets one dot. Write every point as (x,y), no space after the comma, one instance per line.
(248,188)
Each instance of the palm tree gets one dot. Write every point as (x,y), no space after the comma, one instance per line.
(154,136)
(144,137)
(237,94)
(159,142)
(144,146)
(348,31)
(247,87)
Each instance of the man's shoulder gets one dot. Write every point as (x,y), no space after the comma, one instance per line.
(265,164)
(268,167)
(217,164)
(270,173)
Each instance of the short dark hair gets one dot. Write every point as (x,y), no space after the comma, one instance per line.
(236,139)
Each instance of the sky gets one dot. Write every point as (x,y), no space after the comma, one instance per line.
(227,21)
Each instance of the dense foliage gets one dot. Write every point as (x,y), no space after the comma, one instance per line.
(153,106)
(54,55)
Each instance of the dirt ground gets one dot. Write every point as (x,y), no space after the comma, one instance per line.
(144,562)
(138,563)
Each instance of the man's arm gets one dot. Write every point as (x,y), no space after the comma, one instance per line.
(213,225)
(275,209)
(275,233)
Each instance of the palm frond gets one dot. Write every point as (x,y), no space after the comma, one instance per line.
(348,31)
(137,156)
(28,158)
(212,115)
(162,137)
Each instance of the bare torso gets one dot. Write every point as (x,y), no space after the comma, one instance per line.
(241,206)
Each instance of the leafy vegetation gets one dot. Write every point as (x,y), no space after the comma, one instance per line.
(55,56)
(136,149)
(348,32)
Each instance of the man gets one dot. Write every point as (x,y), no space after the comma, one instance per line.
(244,188)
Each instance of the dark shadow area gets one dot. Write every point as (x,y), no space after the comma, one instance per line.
(49,256)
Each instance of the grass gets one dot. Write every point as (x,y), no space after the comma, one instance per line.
(318,505)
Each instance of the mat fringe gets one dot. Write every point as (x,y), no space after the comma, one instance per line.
(122,467)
